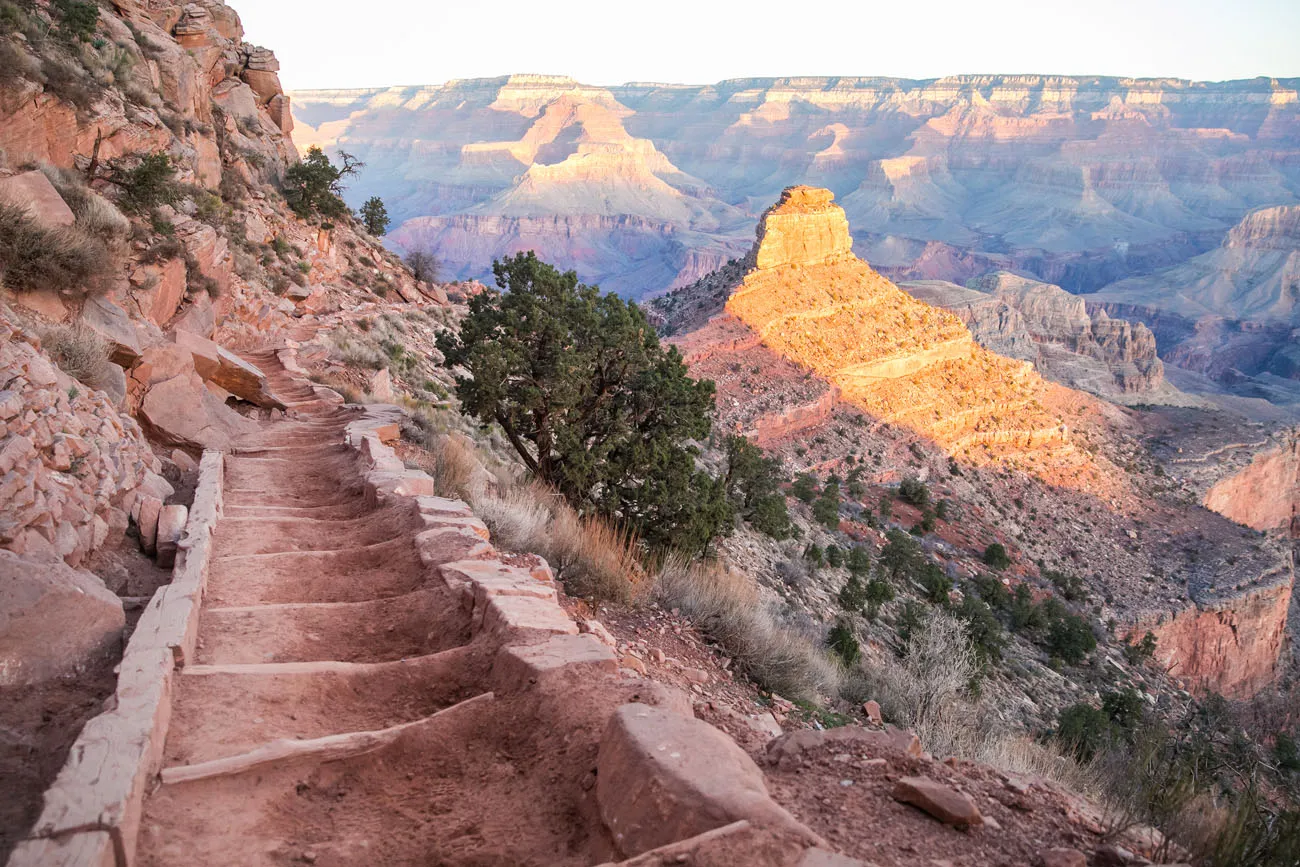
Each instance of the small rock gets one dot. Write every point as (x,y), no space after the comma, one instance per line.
(596,628)
(631,662)
(872,710)
(657,655)
(942,802)
(1063,858)
(696,675)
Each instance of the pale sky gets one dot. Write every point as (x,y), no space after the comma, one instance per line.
(372,43)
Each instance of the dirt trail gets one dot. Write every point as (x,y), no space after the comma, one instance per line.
(320,622)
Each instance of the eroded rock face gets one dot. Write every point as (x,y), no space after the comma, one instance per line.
(1233,648)
(1266,494)
(1037,321)
(804,228)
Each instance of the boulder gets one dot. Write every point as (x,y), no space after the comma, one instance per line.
(54,620)
(34,192)
(180,411)
(147,522)
(171,525)
(942,802)
(662,777)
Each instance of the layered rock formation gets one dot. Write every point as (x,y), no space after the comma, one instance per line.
(1024,318)
(903,362)
(1078,180)
(1264,495)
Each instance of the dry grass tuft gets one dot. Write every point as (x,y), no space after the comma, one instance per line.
(64,260)
(727,607)
(594,558)
(79,352)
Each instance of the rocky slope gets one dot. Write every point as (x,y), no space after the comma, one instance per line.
(838,371)
(1023,318)
(1078,180)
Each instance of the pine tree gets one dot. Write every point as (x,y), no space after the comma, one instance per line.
(374,216)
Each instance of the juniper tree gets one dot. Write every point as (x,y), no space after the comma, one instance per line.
(593,404)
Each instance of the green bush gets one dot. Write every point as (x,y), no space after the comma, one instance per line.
(1070,637)
(1124,708)
(859,562)
(813,554)
(915,492)
(63,260)
(853,595)
(826,509)
(878,592)
(1138,652)
(753,485)
(935,584)
(995,555)
(152,182)
(834,557)
(804,487)
(985,631)
(77,20)
(843,643)
(1071,586)
(1083,730)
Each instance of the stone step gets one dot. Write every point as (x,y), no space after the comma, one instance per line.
(308,700)
(415,624)
(379,571)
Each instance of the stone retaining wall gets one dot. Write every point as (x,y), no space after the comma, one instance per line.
(91,814)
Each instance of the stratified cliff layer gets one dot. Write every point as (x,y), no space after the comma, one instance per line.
(1078,180)
(1042,323)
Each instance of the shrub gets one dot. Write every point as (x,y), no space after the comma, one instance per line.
(1071,586)
(1138,652)
(152,182)
(77,20)
(813,554)
(1084,730)
(804,487)
(915,492)
(995,555)
(826,509)
(591,401)
(753,486)
(834,557)
(843,643)
(424,265)
(853,595)
(64,260)
(935,584)
(1070,637)
(902,558)
(1124,708)
(983,628)
(79,352)
(313,187)
(878,592)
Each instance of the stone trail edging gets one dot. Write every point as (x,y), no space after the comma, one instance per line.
(665,780)
(91,813)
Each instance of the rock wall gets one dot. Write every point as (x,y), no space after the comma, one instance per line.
(1234,647)
(770,428)
(1266,494)
(70,464)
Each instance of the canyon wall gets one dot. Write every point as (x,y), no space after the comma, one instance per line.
(1234,647)
(1266,494)
(1042,323)
(1080,181)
